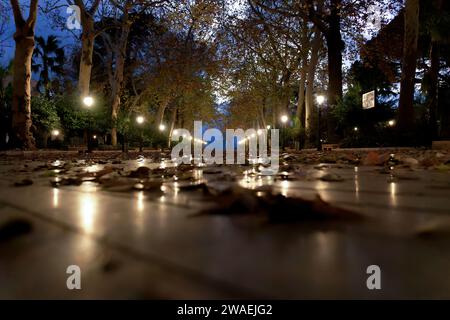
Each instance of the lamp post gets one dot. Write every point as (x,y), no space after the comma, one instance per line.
(320,101)
(140,120)
(88,103)
(284,120)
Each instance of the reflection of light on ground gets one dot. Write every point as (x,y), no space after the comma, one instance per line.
(89,187)
(55,197)
(176,189)
(94,168)
(322,191)
(56,163)
(285,187)
(393,187)
(253,182)
(88,207)
(356,184)
(325,249)
(198,174)
(140,201)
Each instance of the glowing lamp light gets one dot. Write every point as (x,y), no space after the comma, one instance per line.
(94,136)
(259,132)
(320,99)
(55,133)
(88,101)
(175,132)
(391,123)
(140,119)
(284,119)
(268,127)
(162,127)
(355,129)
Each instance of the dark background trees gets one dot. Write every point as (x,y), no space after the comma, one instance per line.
(244,65)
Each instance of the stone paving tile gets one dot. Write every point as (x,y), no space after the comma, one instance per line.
(34,266)
(215,256)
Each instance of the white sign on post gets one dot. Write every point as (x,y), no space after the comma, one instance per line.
(368,100)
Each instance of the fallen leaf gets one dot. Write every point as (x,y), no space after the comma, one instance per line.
(14,228)
(23,183)
(331,177)
(141,172)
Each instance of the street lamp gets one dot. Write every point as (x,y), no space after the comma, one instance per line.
(284,120)
(55,133)
(320,101)
(162,127)
(355,129)
(268,127)
(391,123)
(140,120)
(88,103)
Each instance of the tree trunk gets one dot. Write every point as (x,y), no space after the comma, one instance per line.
(301,91)
(87,45)
(315,48)
(21,101)
(172,125)
(406,109)
(433,93)
(87,49)
(434,89)
(120,52)
(114,116)
(161,110)
(261,114)
(335,46)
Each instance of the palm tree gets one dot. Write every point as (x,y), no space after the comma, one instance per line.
(48,58)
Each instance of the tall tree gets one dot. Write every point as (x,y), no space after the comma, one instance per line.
(124,13)
(311,73)
(116,51)
(48,58)
(21,105)
(87,44)
(409,63)
(435,17)
(4,17)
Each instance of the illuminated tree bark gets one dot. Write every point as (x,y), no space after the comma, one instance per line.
(21,102)
(406,109)
(87,45)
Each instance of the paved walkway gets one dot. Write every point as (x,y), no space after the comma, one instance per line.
(140,244)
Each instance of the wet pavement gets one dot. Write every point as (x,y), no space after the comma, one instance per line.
(160,232)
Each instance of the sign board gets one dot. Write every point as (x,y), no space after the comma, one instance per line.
(368,100)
